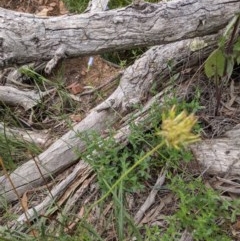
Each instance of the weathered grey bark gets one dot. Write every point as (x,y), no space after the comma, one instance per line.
(220,155)
(135,83)
(40,138)
(27,38)
(27,99)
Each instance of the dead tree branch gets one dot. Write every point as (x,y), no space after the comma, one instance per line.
(26,38)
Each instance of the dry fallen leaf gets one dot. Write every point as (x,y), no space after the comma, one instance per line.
(236,228)
(75,88)
(44,12)
(24,201)
(76,118)
(62,8)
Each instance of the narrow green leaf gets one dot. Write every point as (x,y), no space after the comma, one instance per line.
(230,65)
(230,26)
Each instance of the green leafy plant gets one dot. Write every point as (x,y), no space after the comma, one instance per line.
(114,164)
(15,150)
(201,211)
(219,65)
(62,104)
(110,160)
(152,233)
(77,6)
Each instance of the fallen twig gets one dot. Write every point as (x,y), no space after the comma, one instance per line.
(151,198)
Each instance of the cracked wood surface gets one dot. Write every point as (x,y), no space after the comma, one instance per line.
(27,99)
(28,38)
(40,138)
(221,155)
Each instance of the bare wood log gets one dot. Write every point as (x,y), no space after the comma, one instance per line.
(15,97)
(93,6)
(39,138)
(220,155)
(28,38)
(98,5)
(135,83)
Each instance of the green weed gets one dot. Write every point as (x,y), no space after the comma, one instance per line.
(14,150)
(220,63)
(200,210)
(114,165)
(76,6)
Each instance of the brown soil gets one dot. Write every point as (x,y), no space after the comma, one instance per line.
(40,7)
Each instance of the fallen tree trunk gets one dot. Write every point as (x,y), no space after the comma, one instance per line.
(40,138)
(221,155)
(15,97)
(135,83)
(28,38)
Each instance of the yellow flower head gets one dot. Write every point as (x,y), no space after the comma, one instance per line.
(176,130)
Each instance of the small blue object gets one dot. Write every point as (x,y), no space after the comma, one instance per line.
(90,63)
